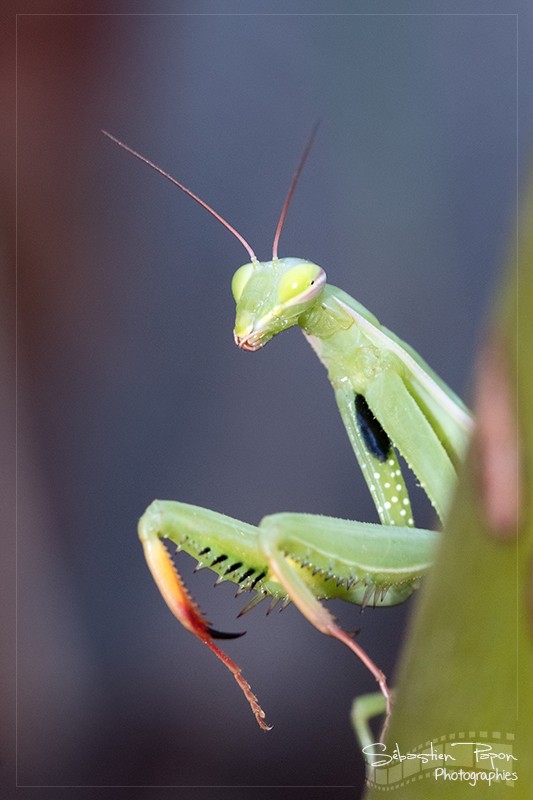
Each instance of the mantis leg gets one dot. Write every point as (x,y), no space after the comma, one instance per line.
(364,708)
(300,557)
(389,398)
(181,523)
(379,555)
(382,472)
(408,428)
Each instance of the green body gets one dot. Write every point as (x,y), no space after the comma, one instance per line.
(391,403)
(426,422)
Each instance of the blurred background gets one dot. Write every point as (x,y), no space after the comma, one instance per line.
(129,385)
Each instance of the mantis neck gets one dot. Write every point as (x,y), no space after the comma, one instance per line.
(340,342)
(326,317)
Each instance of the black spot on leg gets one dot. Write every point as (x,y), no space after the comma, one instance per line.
(257,579)
(222,634)
(374,437)
(218,560)
(233,567)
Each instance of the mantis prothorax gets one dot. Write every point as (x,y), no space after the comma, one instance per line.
(390,402)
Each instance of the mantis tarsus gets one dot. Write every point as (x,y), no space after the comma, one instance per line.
(390,401)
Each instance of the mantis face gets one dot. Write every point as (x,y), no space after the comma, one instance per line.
(271,296)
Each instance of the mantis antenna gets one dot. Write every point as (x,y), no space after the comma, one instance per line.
(183,188)
(292,187)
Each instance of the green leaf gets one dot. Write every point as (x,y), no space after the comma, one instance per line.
(467,670)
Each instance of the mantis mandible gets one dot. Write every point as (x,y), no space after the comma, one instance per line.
(390,402)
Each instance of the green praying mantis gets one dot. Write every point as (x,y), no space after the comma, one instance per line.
(390,402)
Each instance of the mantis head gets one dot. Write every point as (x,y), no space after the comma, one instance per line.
(271,296)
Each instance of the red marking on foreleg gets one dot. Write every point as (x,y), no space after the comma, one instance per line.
(188,613)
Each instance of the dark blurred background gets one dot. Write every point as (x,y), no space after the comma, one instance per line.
(129,385)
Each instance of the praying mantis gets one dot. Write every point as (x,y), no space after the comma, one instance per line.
(390,402)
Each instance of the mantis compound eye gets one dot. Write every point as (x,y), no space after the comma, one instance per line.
(239,281)
(301,283)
